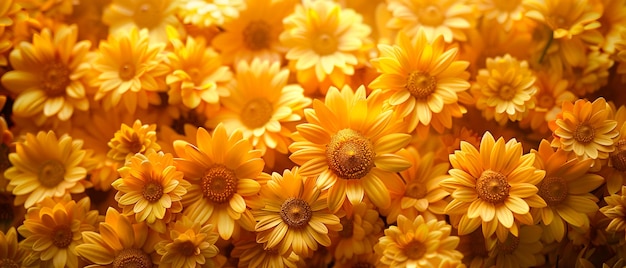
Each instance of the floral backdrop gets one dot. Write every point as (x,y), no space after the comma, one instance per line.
(284,133)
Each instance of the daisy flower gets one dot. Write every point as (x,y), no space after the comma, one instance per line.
(362,226)
(615,210)
(350,144)
(47,75)
(151,188)
(130,140)
(520,251)
(447,18)
(206,13)
(295,217)
(154,15)
(591,76)
(119,243)
(130,69)
(44,166)
(222,169)
(493,185)
(505,89)
(324,42)
(504,12)
(552,91)
(416,243)
(252,254)
(11,254)
(425,80)
(189,244)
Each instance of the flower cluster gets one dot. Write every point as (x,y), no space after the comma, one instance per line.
(314,133)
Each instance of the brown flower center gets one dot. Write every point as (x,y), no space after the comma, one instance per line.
(492,186)
(134,144)
(350,155)
(62,236)
(257,35)
(421,84)
(127,71)
(55,79)
(132,257)
(584,133)
(256,113)
(553,190)
(51,173)
(506,92)
(545,101)
(415,250)
(8,263)
(509,245)
(415,190)
(431,16)
(618,158)
(219,184)
(187,248)
(152,191)
(147,16)
(325,44)
(348,227)
(296,213)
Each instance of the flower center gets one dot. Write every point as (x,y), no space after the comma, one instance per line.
(430,16)
(553,190)
(152,191)
(415,190)
(219,184)
(556,22)
(8,263)
(506,92)
(421,84)
(325,44)
(507,5)
(492,186)
(348,227)
(127,71)
(584,133)
(545,101)
(256,35)
(509,245)
(187,248)
(618,158)
(296,212)
(350,155)
(55,79)
(51,173)
(256,113)
(147,16)
(415,250)
(62,236)
(132,257)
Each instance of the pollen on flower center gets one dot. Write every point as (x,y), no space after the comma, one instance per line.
(325,44)
(127,71)
(492,186)
(421,84)
(51,173)
(62,236)
(55,79)
(132,257)
(553,190)
(350,155)
(256,35)
(618,158)
(219,184)
(8,263)
(415,250)
(348,227)
(256,113)
(187,248)
(584,133)
(415,190)
(147,16)
(152,191)
(509,245)
(431,16)
(506,92)
(296,213)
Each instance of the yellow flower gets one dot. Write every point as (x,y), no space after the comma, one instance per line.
(565,18)
(493,185)
(425,80)
(206,13)
(151,188)
(44,166)
(416,243)
(10,14)
(189,244)
(295,217)
(53,229)
(591,76)
(47,73)
(350,144)
(119,243)
(448,18)
(129,141)
(475,249)
(129,69)
(261,103)
(222,169)
(505,89)
(362,226)
(11,255)
(615,210)
(504,12)
(520,251)
(566,189)
(253,254)
(612,23)
(324,42)
(154,15)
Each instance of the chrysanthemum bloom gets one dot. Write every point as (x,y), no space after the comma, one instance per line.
(222,169)
(591,76)
(585,128)
(520,251)
(44,166)
(615,210)
(552,92)
(206,13)
(155,15)
(448,18)
(198,75)
(254,34)
(422,194)
(493,185)
(151,188)
(11,255)
(324,42)
(504,12)
(295,217)
(10,14)
(350,144)
(612,23)
(260,103)
(47,75)
(424,79)
(416,243)
(362,226)
(128,141)
(130,70)
(189,244)
(566,189)
(252,254)
(505,89)
(53,229)
(120,243)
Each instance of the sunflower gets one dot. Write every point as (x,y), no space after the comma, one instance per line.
(350,144)
(44,166)
(495,185)
(206,13)
(362,226)
(504,12)
(222,169)
(252,254)
(416,243)
(11,254)
(424,78)
(154,15)
(129,141)
(189,244)
(119,243)
(295,217)
(47,75)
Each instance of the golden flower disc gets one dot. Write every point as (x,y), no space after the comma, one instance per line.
(187,248)
(545,101)
(507,92)
(492,187)
(415,190)
(415,250)
(431,16)
(421,84)
(509,245)
(219,184)
(256,35)
(127,71)
(51,173)
(350,155)
(62,236)
(618,158)
(348,227)
(55,79)
(553,190)
(296,213)
(8,263)
(584,133)
(325,44)
(256,113)
(132,257)
(152,191)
